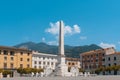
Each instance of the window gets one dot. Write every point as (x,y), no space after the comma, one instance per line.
(47,63)
(96,55)
(103,54)
(87,60)
(5,52)
(11,65)
(28,65)
(91,60)
(51,63)
(35,62)
(109,64)
(44,63)
(5,65)
(28,54)
(90,66)
(39,67)
(0,51)
(12,58)
(95,66)
(73,64)
(69,63)
(21,53)
(114,58)
(103,59)
(5,58)
(21,65)
(88,56)
(96,60)
(52,58)
(109,72)
(39,62)
(91,55)
(28,59)
(35,66)
(43,57)
(21,59)
(115,64)
(12,53)
(86,67)
(109,59)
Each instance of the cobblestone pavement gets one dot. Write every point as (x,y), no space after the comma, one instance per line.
(66,78)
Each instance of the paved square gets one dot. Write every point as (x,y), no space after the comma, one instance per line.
(66,78)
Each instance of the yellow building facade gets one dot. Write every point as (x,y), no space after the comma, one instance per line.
(13,58)
(73,62)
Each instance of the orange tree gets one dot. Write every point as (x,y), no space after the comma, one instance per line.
(28,70)
(1,70)
(6,72)
(108,68)
(115,69)
(21,71)
(40,70)
(98,70)
(81,70)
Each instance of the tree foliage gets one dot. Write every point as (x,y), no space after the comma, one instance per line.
(109,68)
(81,70)
(1,70)
(28,70)
(6,72)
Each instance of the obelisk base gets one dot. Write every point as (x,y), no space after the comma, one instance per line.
(62,67)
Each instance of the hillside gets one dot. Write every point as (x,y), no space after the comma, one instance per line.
(70,51)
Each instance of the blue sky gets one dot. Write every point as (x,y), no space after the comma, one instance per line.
(86,21)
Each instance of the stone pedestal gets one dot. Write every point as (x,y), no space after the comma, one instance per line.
(62,67)
(8,76)
(1,76)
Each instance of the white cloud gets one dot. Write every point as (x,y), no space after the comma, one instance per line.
(54,29)
(52,43)
(76,29)
(83,37)
(106,45)
(43,39)
(67,30)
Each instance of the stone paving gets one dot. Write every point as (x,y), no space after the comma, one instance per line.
(66,78)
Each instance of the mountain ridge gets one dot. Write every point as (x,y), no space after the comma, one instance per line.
(70,51)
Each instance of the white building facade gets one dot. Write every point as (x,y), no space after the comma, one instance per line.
(42,60)
(112,60)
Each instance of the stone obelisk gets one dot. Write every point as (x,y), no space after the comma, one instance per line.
(61,39)
(63,67)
